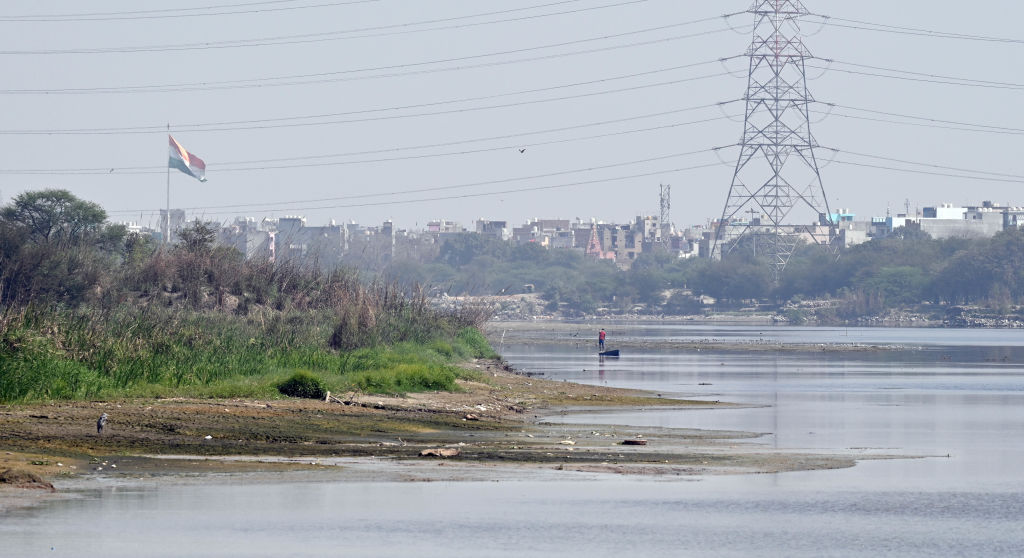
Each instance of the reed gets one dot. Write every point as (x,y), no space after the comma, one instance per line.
(91,353)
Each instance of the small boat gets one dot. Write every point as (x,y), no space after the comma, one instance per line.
(613,352)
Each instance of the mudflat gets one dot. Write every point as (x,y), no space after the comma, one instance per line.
(497,421)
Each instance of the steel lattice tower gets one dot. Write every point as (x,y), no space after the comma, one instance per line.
(776,197)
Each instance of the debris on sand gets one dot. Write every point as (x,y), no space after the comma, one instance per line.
(440,452)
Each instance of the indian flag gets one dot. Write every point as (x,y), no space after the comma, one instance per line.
(185,161)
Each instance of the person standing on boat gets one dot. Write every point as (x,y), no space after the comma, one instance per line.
(600,339)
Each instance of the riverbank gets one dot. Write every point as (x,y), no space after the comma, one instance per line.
(498,422)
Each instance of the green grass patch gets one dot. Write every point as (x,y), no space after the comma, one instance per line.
(406,378)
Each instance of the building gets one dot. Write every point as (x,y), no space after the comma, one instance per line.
(177,222)
(496,229)
(295,242)
(248,237)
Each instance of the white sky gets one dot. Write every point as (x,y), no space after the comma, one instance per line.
(342,188)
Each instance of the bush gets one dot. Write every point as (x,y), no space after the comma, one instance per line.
(442,348)
(406,378)
(476,343)
(303,384)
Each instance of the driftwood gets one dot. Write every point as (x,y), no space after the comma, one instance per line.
(332,399)
(440,452)
(634,442)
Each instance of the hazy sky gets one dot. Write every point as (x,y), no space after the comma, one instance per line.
(374,110)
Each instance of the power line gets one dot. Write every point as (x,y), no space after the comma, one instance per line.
(930,173)
(930,165)
(457,196)
(306,38)
(985,127)
(261,83)
(242,8)
(928,75)
(916,124)
(938,79)
(914,31)
(266,126)
(220,166)
(230,125)
(454,186)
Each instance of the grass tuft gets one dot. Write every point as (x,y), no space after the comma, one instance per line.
(406,378)
(303,384)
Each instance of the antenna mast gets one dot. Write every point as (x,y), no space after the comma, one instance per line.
(664,220)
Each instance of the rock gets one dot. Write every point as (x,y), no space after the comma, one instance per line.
(25,479)
(440,452)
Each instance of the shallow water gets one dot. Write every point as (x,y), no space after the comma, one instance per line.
(947,392)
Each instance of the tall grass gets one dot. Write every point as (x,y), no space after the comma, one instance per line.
(88,353)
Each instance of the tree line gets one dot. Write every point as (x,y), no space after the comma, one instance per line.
(56,247)
(901,270)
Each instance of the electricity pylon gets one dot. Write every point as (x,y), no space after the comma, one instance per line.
(776,198)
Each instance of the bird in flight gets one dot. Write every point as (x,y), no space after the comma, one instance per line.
(522,150)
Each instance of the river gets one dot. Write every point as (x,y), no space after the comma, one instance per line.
(952,401)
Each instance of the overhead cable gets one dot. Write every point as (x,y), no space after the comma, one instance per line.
(931,173)
(937,80)
(662,172)
(235,166)
(266,6)
(307,38)
(920,164)
(446,187)
(914,31)
(222,125)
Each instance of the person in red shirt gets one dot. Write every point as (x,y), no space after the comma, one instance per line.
(600,339)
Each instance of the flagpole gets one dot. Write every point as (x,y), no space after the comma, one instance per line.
(167,216)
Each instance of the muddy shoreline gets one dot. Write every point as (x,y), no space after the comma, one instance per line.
(497,426)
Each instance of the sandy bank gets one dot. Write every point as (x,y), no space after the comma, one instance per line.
(497,427)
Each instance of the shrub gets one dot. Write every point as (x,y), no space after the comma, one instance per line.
(406,378)
(303,384)
(476,343)
(442,348)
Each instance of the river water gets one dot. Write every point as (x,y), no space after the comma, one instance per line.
(952,399)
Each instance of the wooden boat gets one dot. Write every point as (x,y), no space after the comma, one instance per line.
(612,352)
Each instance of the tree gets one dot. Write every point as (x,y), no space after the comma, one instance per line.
(54,247)
(54,217)
(198,237)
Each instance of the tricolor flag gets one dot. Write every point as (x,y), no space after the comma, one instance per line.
(185,161)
